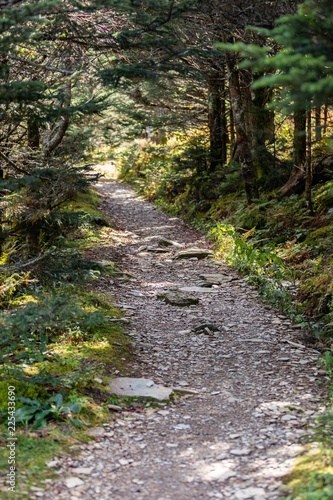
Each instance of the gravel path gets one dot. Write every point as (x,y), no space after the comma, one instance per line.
(253,386)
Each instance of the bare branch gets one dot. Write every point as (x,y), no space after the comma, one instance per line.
(41,66)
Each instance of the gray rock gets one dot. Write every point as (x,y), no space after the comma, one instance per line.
(240,452)
(125,386)
(96,431)
(216,279)
(157,250)
(194,252)
(83,470)
(206,328)
(197,289)
(73,482)
(164,242)
(114,407)
(247,493)
(180,299)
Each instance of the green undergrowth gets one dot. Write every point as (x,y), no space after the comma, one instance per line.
(62,341)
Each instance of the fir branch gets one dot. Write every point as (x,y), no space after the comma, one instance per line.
(12,164)
(41,66)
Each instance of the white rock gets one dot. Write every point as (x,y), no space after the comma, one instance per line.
(126,386)
(123,461)
(240,452)
(181,427)
(73,482)
(198,289)
(247,493)
(83,470)
(52,463)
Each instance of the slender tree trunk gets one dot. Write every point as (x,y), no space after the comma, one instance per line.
(33,240)
(33,133)
(318,134)
(262,128)
(308,170)
(325,118)
(224,126)
(295,182)
(232,131)
(299,156)
(242,151)
(59,131)
(216,122)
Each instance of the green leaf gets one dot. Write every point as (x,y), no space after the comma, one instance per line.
(24,414)
(29,401)
(39,424)
(75,408)
(57,399)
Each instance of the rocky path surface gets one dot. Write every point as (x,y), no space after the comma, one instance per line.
(253,387)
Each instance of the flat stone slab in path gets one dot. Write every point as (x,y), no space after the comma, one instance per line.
(142,387)
(198,253)
(180,299)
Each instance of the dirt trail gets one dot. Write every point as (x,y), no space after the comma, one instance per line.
(256,386)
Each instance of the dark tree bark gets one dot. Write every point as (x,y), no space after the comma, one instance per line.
(33,240)
(59,131)
(325,118)
(308,170)
(299,156)
(242,151)
(295,183)
(318,134)
(262,128)
(33,133)
(217,122)
(232,130)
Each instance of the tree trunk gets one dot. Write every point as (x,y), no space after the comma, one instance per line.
(318,134)
(299,155)
(232,131)
(59,131)
(325,118)
(33,133)
(308,171)
(262,129)
(216,123)
(242,151)
(295,183)
(33,240)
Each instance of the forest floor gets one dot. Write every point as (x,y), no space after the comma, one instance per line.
(248,394)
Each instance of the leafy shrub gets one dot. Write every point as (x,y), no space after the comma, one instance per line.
(65,266)
(12,285)
(39,412)
(27,331)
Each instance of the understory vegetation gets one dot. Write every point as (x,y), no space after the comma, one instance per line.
(61,342)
